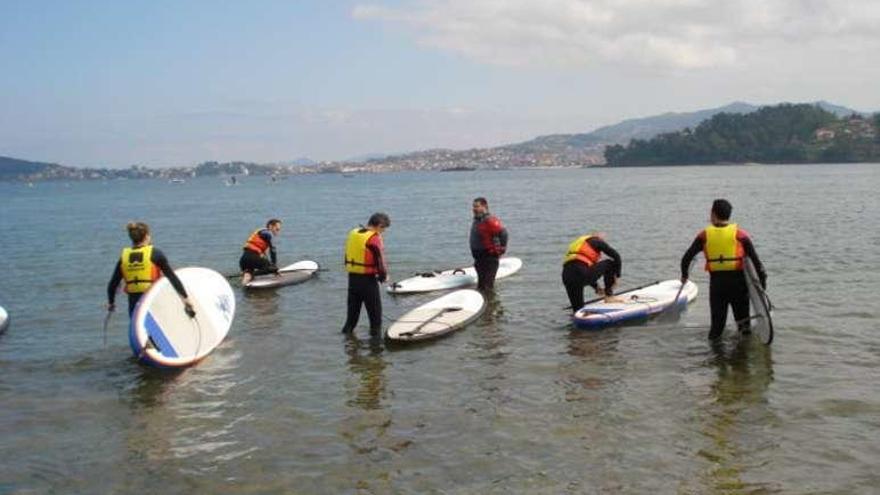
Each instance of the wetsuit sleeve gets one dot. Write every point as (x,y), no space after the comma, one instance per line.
(381,268)
(749,249)
(114,282)
(273,257)
(689,255)
(162,262)
(603,247)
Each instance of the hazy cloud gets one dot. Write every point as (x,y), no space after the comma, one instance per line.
(666,34)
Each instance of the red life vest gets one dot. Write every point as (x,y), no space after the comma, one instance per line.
(487,230)
(256,243)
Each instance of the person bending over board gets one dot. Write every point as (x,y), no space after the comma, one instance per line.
(254,260)
(139,266)
(582,266)
(488,242)
(366,267)
(724,246)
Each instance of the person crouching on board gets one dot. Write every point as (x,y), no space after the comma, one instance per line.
(139,266)
(724,246)
(366,267)
(582,266)
(488,241)
(258,255)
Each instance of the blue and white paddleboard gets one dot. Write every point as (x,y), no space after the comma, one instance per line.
(4,319)
(635,305)
(163,335)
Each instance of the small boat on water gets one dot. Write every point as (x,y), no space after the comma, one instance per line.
(177,180)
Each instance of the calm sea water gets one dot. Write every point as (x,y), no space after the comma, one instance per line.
(518,402)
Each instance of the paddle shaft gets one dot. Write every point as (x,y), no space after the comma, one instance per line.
(440,313)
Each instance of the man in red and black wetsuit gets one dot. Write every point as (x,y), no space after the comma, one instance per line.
(725,247)
(254,260)
(488,242)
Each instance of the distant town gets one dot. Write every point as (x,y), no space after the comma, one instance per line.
(784,133)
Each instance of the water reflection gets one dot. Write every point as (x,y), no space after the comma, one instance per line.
(263,309)
(743,372)
(366,427)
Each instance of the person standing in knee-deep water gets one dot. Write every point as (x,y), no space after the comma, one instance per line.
(366,267)
(582,266)
(258,255)
(140,265)
(725,246)
(488,241)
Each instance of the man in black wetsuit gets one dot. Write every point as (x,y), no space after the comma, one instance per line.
(488,241)
(140,265)
(725,247)
(254,260)
(582,266)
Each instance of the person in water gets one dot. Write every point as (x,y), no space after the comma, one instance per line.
(366,267)
(582,266)
(140,266)
(488,241)
(258,255)
(725,246)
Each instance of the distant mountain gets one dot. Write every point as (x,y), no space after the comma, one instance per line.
(14,168)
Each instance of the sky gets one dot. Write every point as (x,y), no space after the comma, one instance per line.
(175,83)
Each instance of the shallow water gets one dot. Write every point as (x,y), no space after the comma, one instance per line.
(518,402)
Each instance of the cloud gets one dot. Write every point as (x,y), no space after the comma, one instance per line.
(664,34)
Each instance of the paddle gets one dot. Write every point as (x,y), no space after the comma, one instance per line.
(591,301)
(106,322)
(440,313)
(674,304)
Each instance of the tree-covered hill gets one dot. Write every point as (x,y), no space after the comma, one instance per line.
(784,133)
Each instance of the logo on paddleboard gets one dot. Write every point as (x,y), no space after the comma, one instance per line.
(224,306)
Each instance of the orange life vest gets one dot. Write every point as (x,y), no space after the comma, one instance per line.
(256,243)
(582,251)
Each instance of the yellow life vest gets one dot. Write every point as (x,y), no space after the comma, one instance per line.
(138,269)
(723,252)
(582,251)
(359,259)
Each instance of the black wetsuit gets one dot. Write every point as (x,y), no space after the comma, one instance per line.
(255,263)
(364,289)
(726,288)
(576,274)
(159,259)
(486,261)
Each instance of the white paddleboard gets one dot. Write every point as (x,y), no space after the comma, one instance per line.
(289,275)
(451,279)
(4,319)
(636,305)
(162,334)
(439,317)
(761,320)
